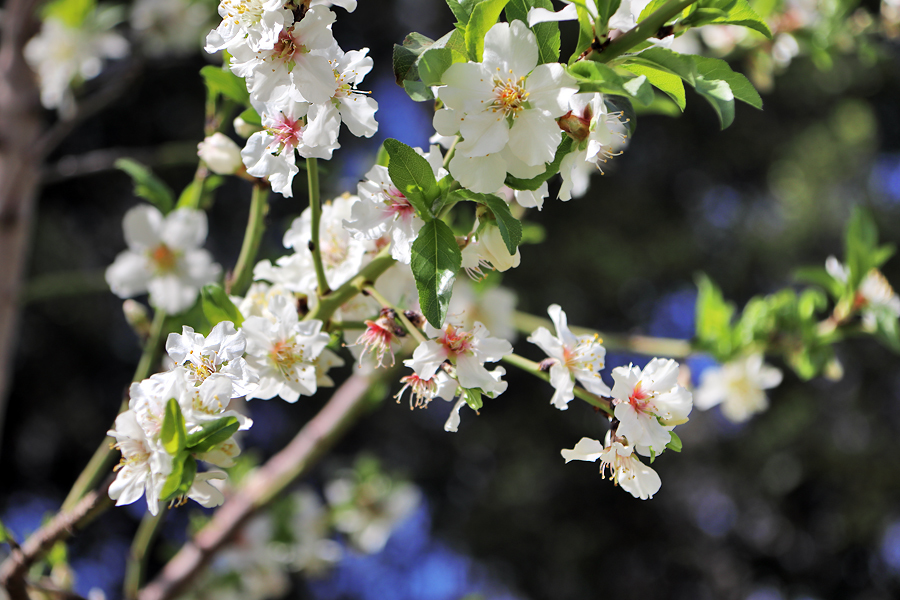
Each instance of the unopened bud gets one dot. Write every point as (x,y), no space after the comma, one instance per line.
(245,129)
(493,249)
(577,127)
(220,154)
(137,317)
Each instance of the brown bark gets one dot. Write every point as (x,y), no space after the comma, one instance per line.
(316,437)
(20,130)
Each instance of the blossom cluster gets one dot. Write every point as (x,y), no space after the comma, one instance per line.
(301,83)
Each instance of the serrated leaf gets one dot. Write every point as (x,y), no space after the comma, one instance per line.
(418,91)
(547,34)
(662,80)
(435,261)
(565,146)
(606,9)
(219,81)
(674,442)
(212,434)
(179,481)
(147,185)
(585,33)
(460,10)
(510,227)
(651,8)
(218,307)
(484,16)
(435,61)
(172,433)
(413,176)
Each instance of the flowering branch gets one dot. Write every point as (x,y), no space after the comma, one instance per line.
(366,276)
(315,205)
(534,368)
(412,329)
(642,31)
(243,271)
(640,344)
(261,487)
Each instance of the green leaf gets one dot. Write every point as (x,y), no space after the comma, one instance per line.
(663,80)
(218,307)
(413,176)
(435,61)
(418,91)
(860,241)
(651,8)
(484,16)
(712,69)
(72,13)
(220,81)
(713,320)
(822,278)
(565,146)
(473,398)
(435,260)
(737,12)
(547,34)
(6,536)
(212,434)
(674,443)
(147,185)
(199,192)
(510,227)
(251,117)
(461,10)
(720,97)
(585,33)
(172,434)
(605,10)
(661,105)
(887,329)
(598,77)
(179,481)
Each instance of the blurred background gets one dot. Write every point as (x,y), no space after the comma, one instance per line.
(803,501)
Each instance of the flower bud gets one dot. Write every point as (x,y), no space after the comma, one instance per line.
(137,318)
(220,154)
(245,129)
(494,249)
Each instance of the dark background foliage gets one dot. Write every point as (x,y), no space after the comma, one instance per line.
(801,502)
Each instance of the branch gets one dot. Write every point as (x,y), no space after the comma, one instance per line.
(262,486)
(639,344)
(315,205)
(529,366)
(256,225)
(63,525)
(644,30)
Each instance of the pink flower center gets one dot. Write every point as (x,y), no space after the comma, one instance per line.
(455,341)
(640,398)
(397,204)
(288,47)
(509,96)
(288,132)
(164,258)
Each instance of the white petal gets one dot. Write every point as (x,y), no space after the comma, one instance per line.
(142,226)
(511,48)
(586,449)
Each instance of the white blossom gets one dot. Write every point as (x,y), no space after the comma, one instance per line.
(649,404)
(356,109)
(221,352)
(144,465)
(467,351)
(739,386)
(283,352)
(573,358)
(63,56)
(874,296)
(505,109)
(624,467)
(163,257)
(255,24)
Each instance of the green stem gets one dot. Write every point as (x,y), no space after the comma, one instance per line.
(136,569)
(412,329)
(532,367)
(315,205)
(346,325)
(104,457)
(450,152)
(256,225)
(642,31)
(366,276)
(639,344)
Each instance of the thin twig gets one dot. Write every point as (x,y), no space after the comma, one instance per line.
(263,486)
